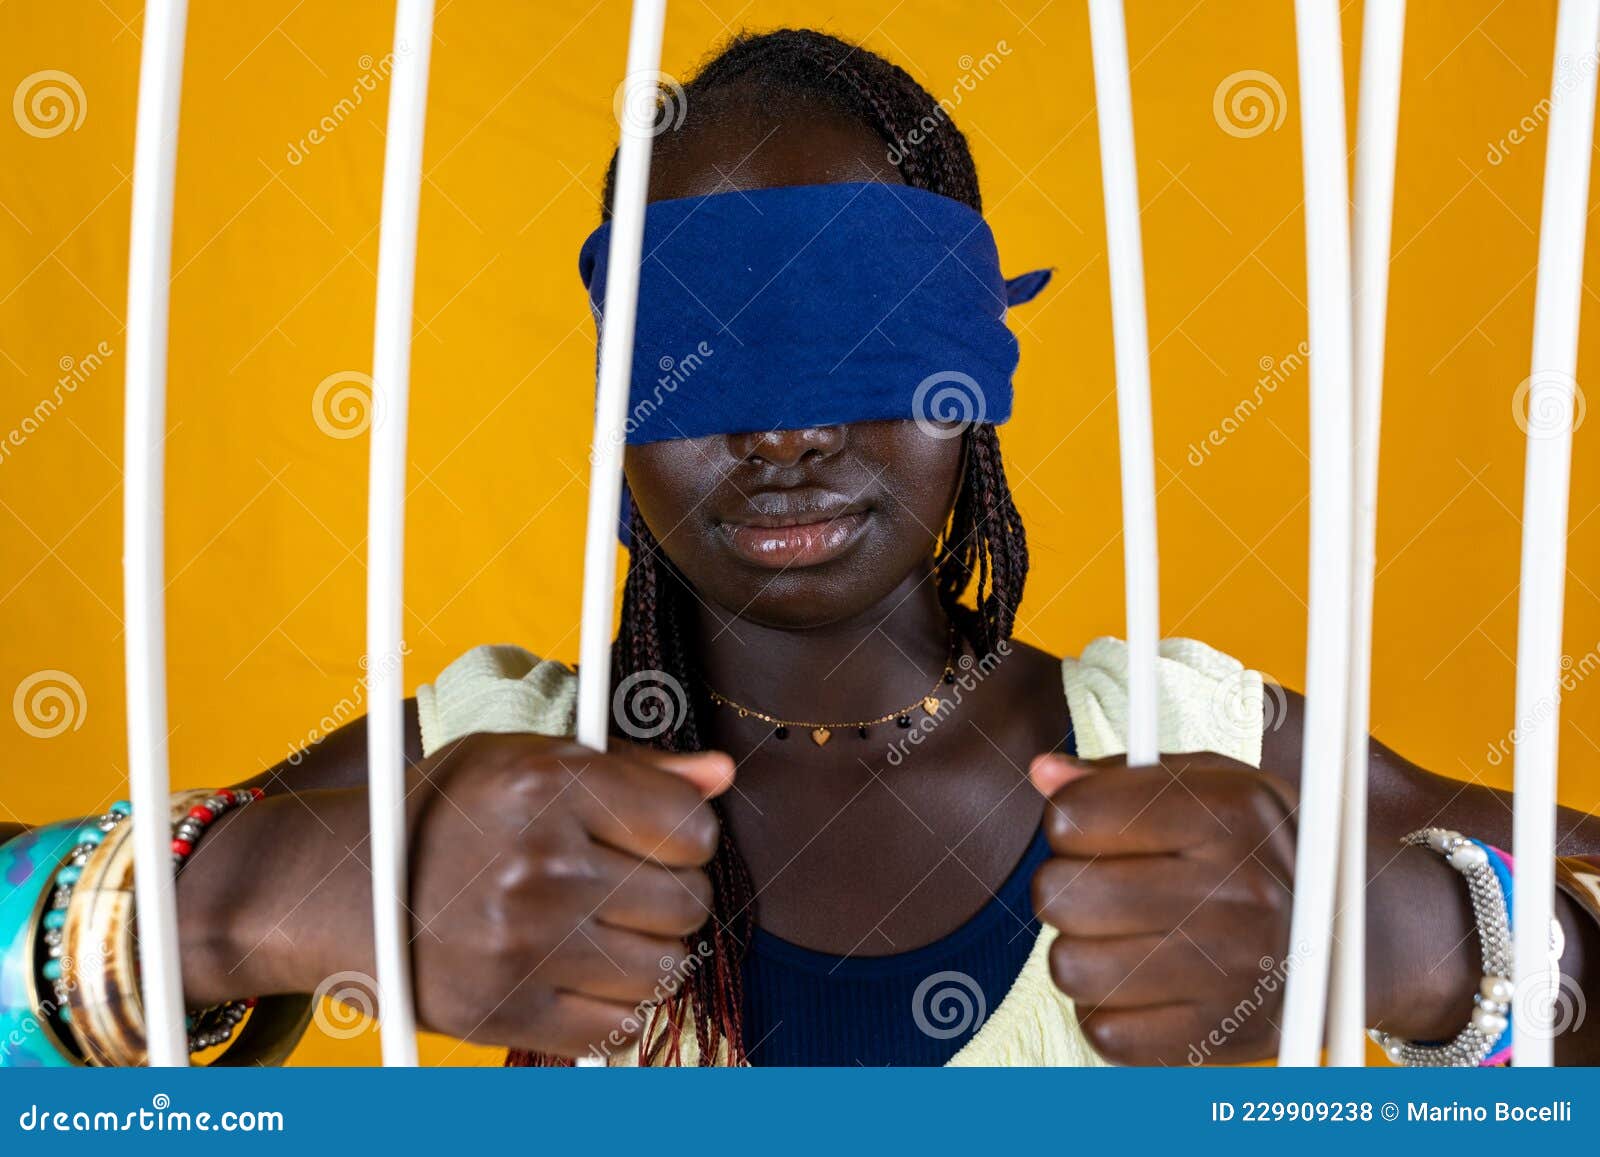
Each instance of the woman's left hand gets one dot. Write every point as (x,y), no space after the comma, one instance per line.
(1171,888)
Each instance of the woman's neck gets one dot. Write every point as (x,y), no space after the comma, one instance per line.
(859,668)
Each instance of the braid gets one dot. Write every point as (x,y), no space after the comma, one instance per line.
(984,542)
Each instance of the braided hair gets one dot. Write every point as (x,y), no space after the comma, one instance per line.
(983,546)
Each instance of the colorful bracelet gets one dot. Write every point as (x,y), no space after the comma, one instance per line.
(1491,1016)
(28,1032)
(66,930)
(1503,867)
(212,1026)
(54,919)
(96,972)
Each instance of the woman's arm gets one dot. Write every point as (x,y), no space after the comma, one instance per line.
(337,760)
(1172,894)
(1403,797)
(1423,961)
(551,886)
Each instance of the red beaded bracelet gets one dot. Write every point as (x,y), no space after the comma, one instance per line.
(186,835)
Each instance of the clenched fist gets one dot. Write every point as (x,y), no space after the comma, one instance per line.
(552,885)
(1171,889)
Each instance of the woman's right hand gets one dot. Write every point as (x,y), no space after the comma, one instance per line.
(551,888)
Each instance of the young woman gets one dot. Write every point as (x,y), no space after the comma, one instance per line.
(862,835)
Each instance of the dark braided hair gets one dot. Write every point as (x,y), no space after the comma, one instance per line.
(983,546)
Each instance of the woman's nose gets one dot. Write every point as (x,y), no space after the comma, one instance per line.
(788,447)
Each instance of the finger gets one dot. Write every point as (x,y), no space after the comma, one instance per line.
(1053,771)
(583,1026)
(1123,812)
(646,812)
(613,964)
(1159,1035)
(710,771)
(1136,971)
(644,897)
(1129,895)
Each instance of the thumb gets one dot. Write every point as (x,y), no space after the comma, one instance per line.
(1052,772)
(710,771)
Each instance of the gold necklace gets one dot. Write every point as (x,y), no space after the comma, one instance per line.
(822,732)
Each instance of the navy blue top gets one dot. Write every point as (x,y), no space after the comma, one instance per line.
(911,1008)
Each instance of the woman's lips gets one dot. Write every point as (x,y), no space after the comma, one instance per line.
(799,543)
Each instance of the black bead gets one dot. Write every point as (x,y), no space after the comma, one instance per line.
(949,676)
(861,731)
(903,720)
(782,733)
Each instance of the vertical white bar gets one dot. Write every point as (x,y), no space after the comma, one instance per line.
(1131,350)
(616,370)
(1377,128)
(155,156)
(628,201)
(1327,187)
(1558,296)
(386,518)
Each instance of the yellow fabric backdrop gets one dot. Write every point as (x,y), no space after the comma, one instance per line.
(274,263)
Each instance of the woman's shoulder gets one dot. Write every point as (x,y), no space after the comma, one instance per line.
(497,687)
(1208,700)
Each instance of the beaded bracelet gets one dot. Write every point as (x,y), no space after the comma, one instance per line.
(111,1031)
(1492,1002)
(54,920)
(210,1026)
(29,1036)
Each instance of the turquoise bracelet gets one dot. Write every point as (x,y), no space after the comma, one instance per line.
(28,866)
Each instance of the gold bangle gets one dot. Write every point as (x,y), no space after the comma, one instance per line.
(101,962)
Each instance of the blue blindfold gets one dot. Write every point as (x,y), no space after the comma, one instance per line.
(814,305)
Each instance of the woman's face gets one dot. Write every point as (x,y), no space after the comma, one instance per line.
(792,528)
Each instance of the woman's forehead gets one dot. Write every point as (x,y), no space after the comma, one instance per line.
(768,149)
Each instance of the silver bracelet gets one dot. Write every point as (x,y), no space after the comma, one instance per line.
(1492,1002)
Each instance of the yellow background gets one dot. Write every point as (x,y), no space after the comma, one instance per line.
(273,289)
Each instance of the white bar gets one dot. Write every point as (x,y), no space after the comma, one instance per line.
(1328,620)
(386,519)
(1377,127)
(1558,296)
(1131,349)
(155,156)
(616,369)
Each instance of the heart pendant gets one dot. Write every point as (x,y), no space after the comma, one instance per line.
(821,735)
(932,704)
